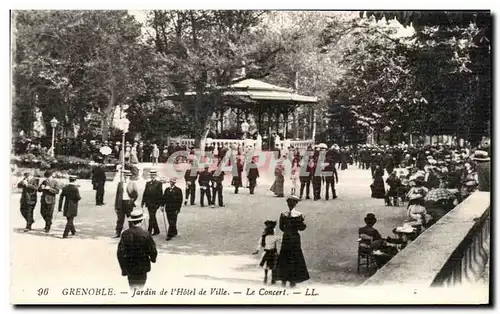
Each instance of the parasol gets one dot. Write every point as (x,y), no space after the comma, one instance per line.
(323,145)
(105,150)
(437,195)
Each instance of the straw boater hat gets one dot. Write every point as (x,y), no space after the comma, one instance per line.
(481,155)
(173,180)
(153,172)
(136,215)
(470,183)
(72,178)
(416,196)
(127,173)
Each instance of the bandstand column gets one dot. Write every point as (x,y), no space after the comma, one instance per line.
(285,129)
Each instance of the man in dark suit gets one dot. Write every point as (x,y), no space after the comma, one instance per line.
(98,181)
(330,180)
(152,198)
(49,189)
(136,251)
(217,179)
(126,195)
(172,205)
(305,179)
(190,176)
(204,179)
(72,195)
(317,179)
(253,174)
(29,185)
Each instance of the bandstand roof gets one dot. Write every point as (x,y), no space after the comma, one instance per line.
(259,91)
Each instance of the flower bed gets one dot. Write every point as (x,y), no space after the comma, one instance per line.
(63,166)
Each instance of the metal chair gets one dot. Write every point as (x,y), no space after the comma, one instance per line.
(365,254)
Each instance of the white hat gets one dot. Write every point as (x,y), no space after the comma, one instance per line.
(406,228)
(136,215)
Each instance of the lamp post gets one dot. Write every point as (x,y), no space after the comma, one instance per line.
(53,124)
(244,128)
(123,126)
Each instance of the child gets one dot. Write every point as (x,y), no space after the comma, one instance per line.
(269,242)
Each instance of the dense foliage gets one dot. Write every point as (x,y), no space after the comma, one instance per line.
(432,77)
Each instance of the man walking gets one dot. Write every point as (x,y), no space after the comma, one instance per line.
(72,195)
(49,189)
(98,181)
(152,199)
(136,251)
(330,180)
(29,185)
(172,205)
(126,195)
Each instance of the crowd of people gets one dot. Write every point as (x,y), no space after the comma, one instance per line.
(431,182)
(413,173)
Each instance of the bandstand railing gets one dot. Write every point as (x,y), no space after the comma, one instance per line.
(454,252)
(301,144)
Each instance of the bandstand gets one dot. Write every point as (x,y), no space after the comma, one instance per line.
(270,106)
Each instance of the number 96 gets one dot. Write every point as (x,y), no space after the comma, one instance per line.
(43,291)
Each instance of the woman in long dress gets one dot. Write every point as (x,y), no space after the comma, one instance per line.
(279,181)
(378,187)
(291,265)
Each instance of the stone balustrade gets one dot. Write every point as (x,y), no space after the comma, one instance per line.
(453,252)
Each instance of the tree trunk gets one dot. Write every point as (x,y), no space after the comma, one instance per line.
(200,138)
(107,114)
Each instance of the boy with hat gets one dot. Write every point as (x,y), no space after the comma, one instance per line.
(172,204)
(72,195)
(136,251)
(29,186)
(152,198)
(126,195)
(49,189)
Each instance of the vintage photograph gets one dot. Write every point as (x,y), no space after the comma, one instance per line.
(250,157)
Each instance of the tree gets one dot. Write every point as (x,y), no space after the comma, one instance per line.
(78,62)
(462,40)
(377,91)
(203,50)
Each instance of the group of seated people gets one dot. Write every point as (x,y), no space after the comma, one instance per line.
(382,249)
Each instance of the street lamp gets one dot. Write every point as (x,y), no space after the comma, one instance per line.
(244,128)
(53,124)
(123,125)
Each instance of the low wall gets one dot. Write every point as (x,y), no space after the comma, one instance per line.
(453,252)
